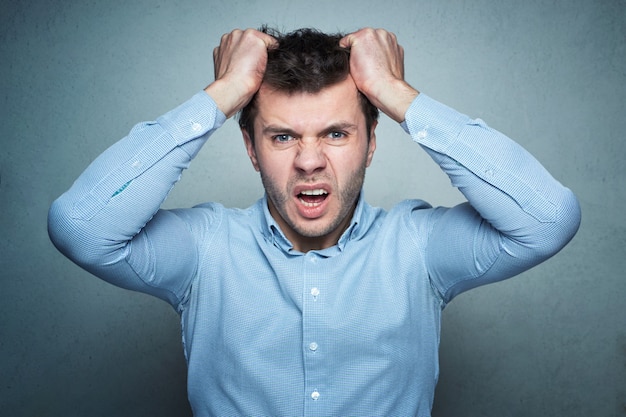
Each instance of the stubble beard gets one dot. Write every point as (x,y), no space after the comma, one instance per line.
(348,196)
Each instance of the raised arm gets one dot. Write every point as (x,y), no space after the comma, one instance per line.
(109,221)
(518,215)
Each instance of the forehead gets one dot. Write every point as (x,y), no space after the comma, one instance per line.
(339,102)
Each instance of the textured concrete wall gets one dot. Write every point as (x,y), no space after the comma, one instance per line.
(76,76)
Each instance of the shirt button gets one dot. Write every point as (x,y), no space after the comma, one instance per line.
(313,346)
(196,127)
(315,395)
(422,134)
(315,291)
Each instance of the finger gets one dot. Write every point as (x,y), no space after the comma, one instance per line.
(269,41)
(390,35)
(347,41)
(226,37)
(371,34)
(351,39)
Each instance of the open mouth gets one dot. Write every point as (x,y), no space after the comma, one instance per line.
(312,198)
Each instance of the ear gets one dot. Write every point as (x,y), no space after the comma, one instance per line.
(250,148)
(371,144)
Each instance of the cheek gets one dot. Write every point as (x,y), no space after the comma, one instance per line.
(274,168)
(348,161)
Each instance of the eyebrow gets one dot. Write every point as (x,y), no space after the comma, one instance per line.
(338,126)
(275,129)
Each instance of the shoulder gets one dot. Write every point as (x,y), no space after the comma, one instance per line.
(410,206)
(411,211)
(413,218)
(209,217)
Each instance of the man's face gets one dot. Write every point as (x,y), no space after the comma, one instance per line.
(311,151)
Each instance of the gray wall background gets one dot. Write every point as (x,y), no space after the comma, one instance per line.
(76,76)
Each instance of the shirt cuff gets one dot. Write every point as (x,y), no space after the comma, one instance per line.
(192,119)
(433,124)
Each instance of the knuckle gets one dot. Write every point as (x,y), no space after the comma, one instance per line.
(250,33)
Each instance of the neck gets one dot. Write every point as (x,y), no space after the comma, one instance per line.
(304,243)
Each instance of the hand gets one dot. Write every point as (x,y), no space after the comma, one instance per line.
(377,68)
(239,62)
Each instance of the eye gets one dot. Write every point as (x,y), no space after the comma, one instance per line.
(282,138)
(337,135)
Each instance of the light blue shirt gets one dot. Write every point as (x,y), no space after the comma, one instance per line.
(352,330)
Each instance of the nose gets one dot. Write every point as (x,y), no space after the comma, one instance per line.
(310,158)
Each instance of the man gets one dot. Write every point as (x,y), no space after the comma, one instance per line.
(311,302)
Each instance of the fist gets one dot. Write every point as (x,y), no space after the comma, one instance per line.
(239,63)
(377,68)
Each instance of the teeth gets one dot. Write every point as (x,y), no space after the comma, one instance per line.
(304,203)
(314,192)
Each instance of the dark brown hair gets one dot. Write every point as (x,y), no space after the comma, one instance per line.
(305,60)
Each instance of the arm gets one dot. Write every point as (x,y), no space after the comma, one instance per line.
(109,221)
(518,215)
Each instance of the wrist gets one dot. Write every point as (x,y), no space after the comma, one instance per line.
(227,96)
(395,98)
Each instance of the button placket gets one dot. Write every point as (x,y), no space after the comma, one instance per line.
(313,309)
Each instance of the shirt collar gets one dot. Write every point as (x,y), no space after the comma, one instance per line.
(361,220)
